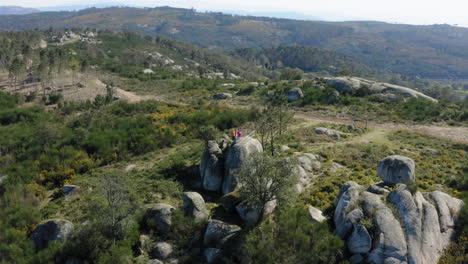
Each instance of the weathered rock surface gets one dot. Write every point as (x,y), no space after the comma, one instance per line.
(212,167)
(51,230)
(160,215)
(294,94)
(359,242)
(350,84)
(315,214)
(162,250)
(222,96)
(194,206)
(396,169)
(406,228)
(218,232)
(307,164)
(236,154)
(212,255)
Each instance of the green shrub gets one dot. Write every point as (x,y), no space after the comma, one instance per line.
(293,238)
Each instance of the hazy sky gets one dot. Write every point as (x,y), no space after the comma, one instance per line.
(401,11)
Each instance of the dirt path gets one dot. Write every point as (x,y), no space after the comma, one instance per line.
(457,134)
(135,98)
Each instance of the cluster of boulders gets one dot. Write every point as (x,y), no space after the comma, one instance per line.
(391,223)
(220,160)
(330,132)
(160,218)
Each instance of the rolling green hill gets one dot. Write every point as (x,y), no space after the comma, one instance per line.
(437,51)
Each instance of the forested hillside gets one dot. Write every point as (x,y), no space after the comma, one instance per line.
(437,51)
(123,148)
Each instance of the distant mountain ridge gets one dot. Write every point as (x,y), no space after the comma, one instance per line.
(437,51)
(17,10)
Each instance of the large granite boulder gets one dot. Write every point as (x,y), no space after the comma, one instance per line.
(405,227)
(212,167)
(294,94)
(51,230)
(160,216)
(194,206)
(236,155)
(352,84)
(396,169)
(218,233)
(316,215)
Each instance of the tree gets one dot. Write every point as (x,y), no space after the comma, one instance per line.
(273,122)
(263,179)
(114,214)
(291,74)
(16,69)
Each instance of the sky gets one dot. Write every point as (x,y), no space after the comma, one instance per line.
(451,12)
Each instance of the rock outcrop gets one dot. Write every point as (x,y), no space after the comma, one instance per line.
(396,169)
(294,94)
(51,230)
(236,155)
(212,167)
(162,250)
(395,226)
(218,233)
(307,164)
(160,216)
(351,84)
(220,161)
(194,206)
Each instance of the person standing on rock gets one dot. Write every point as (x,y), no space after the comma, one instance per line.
(233,134)
(239,134)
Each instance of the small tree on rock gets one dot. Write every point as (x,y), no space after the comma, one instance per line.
(263,179)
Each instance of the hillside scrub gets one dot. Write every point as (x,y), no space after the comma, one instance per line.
(292,238)
(42,152)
